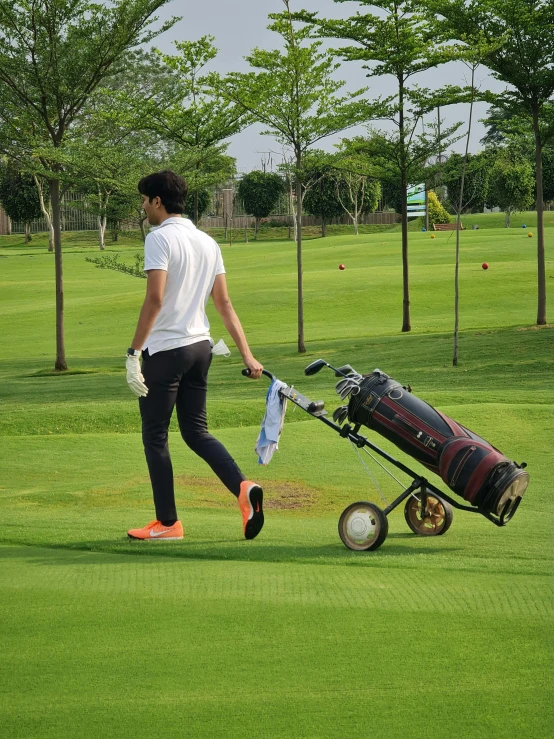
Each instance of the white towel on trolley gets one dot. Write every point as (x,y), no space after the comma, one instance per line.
(272,423)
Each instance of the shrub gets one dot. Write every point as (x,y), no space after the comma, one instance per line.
(437,213)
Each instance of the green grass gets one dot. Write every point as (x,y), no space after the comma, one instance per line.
(291,635)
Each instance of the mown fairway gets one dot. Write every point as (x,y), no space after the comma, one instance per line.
(291,635)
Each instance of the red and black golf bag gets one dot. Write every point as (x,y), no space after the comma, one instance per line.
(470,466)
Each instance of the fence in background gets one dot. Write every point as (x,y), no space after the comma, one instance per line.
(378,218)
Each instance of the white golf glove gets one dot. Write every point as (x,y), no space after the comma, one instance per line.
(221,349)
(135,378)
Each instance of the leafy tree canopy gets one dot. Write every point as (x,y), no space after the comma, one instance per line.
(260,192)
(18,194)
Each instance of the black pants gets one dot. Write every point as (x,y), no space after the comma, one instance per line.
(179,377)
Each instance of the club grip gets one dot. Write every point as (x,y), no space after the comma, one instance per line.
(246,372)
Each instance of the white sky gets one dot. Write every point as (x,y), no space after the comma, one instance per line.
(241,25)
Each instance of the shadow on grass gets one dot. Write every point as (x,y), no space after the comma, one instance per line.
(216,551)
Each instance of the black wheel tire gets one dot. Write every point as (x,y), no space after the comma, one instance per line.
(438,519)
(363,527)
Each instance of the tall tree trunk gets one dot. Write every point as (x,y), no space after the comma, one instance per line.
(406,322)
(27,232)
(323,226)
(61,363)
(541,270)
(458,228)
(101,231)
(406,325)
(301,344)
(256,227)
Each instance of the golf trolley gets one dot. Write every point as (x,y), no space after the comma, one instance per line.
(491,482)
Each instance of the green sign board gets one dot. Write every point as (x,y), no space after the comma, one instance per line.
(416,200)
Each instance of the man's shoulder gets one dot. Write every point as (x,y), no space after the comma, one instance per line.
(182,231)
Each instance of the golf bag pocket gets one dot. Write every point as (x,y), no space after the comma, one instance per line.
(482,475)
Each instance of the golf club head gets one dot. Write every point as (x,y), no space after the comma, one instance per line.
(344,370)
(314,367)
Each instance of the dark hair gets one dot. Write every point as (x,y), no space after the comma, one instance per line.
(170,187)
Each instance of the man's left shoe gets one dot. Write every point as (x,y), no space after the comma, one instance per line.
(250,502)
(156,530)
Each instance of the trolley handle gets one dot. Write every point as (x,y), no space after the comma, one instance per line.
(246,373)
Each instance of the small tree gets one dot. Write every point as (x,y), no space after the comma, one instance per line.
(511,185)
(396,40)
(119,208)
(53,56)
(521,36)
(356,193)
(321,200)
(187,111)
(197,203)
(293,93)
(19,197)
(260,193)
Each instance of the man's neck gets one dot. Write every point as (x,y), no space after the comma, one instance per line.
(169,215)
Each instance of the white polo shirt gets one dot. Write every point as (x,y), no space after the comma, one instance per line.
(192,259)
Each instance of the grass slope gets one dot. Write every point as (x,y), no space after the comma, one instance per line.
(291,635)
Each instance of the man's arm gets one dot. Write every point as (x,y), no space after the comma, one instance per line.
(231,321)
(155,287)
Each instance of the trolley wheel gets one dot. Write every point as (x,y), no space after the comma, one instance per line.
(428,515)
(363,527)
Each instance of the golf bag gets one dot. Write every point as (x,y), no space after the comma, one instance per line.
(470,466)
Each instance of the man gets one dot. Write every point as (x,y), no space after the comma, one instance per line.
(184,267)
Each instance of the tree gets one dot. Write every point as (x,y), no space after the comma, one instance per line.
(197,203)
(459,207)
(521,36)
(511,185)
(293,93)
(105,158)
(19,197)
(187,111)
(392,195)
(511,129)
(475,181)
(260,193)
(321,200)
(397,40)
(356,193)
(53,55)
(120,208)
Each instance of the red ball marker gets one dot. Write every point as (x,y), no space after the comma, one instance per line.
(341,266)
(485,265)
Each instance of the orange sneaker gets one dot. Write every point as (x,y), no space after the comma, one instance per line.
(250,502)
(156,530)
